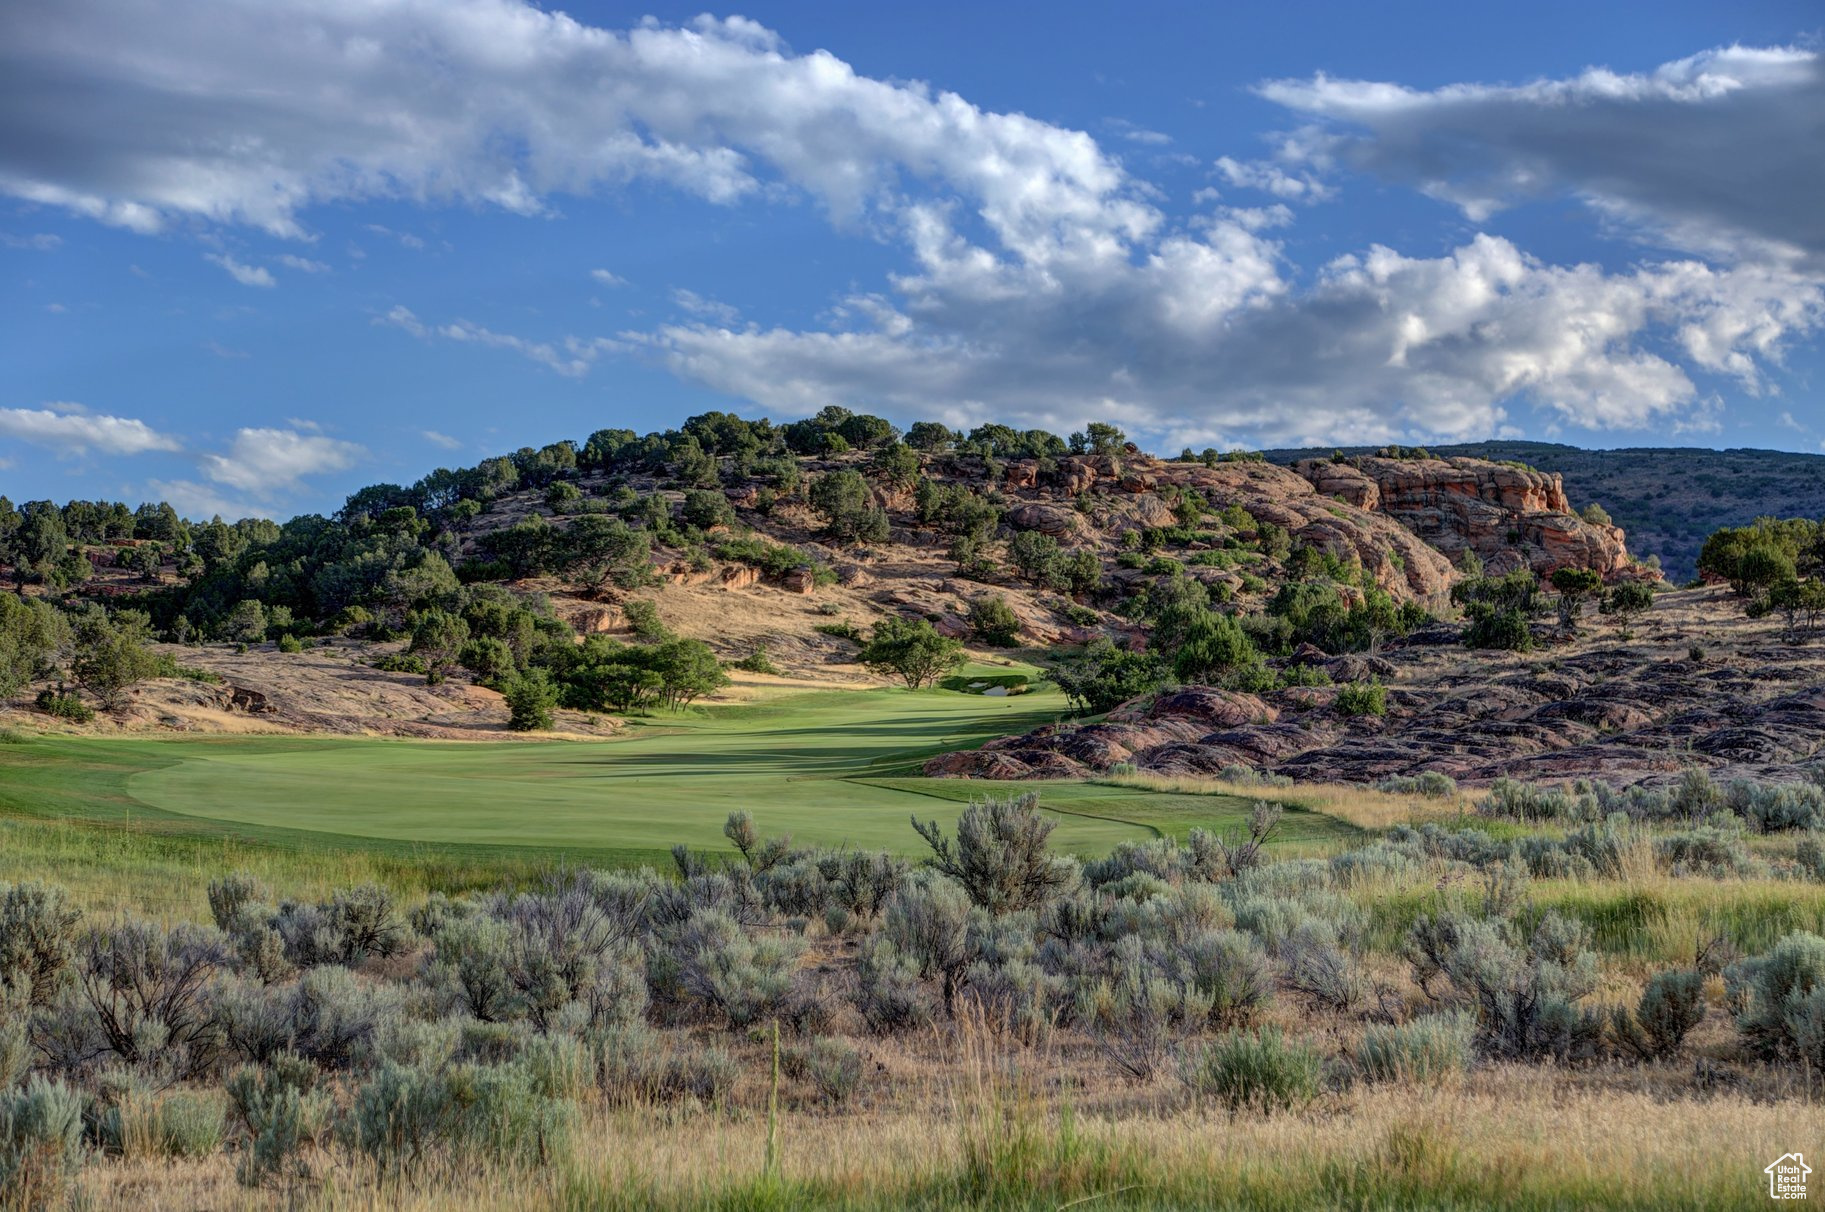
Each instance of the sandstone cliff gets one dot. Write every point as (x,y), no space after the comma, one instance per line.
(1512,517)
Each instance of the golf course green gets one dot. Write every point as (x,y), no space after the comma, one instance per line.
(833,767)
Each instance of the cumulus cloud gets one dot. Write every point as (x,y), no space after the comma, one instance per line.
(71,429)
(1269,177)
(606,278)
(1722,153)
(441,439)
(303,265)
(246,275)
(273,462)
(1043,281)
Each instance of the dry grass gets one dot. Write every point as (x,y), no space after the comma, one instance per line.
(1360,806)
(1508,1137)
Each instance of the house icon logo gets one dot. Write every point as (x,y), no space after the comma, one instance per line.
(1787,1177)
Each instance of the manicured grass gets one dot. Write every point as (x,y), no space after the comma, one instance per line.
(829,767)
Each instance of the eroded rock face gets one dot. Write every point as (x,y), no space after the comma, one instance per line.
(1619,712)
(1398,560)
(1511,517)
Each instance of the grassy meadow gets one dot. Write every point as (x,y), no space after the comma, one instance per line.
(143,822)
(1030,1095)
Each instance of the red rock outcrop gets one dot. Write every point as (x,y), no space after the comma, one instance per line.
(1511,517)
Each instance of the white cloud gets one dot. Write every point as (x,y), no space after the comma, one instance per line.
(1194,349)
(405,238)
(69,429)
(607,278)
(1137,134)
(1722,153)
(246,275)
(441,439)
(499,103)
(224,352)
(571,357)
(272,462)
(1271,178)
(301,264)
(1043,282)
(709,309)
(40,242)
(200,501)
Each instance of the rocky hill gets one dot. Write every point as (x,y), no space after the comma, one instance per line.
(776,547)
(1232,526)
(1667,499)
(1700,685)
(1511,517)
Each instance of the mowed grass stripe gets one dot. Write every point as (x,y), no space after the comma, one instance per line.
(829,767)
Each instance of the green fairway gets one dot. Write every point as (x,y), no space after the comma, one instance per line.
(830,767)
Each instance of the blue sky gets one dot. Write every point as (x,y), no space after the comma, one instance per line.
(255,255)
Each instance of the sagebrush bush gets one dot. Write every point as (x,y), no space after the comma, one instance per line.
(37,938)
(634,1066)
(1524,988)
(1431,784)
(888,992)
(829,1066)
(927,921)
(40,1143)
(1672,1003)
(736,974)
(1001,855)
(1431,1049)
(1783,1000)
(283,1116)
(150,992)
(1257,1071)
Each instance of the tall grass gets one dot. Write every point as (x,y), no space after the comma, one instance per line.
(1360,806)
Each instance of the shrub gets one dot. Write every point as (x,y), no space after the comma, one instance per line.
(1230,971)
(40,1143)
(927,922)
(889,993)
(1671,1005)
(149,991)
(334,1017)
(1506,630)
(1430,1050)
(994,622)
(1254,1071)
(178,1123)
(1362,698)
(530,699)
(1783,996)
(632,1066)
(758,662)
(1428,783)
(64,707)
(743,977)
(1000,856)
(831,1067)
(1524,990)
(37,939)
(281,1113)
